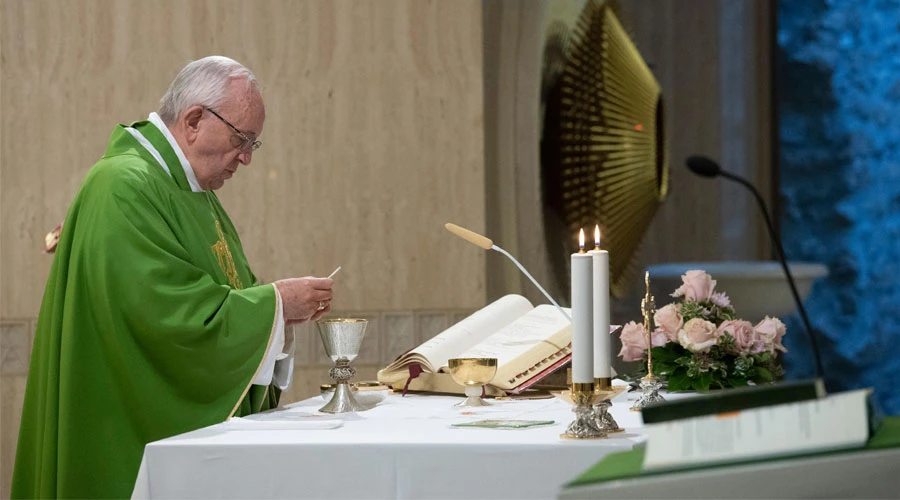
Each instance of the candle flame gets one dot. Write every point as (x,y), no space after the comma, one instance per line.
(597,237)
(581,240)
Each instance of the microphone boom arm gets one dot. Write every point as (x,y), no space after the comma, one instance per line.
(524,271)
(485,243)
(781,258)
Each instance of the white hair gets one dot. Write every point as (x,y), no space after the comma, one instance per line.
(202,82)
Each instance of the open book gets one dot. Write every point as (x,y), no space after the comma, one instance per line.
(529,343)
(805,426)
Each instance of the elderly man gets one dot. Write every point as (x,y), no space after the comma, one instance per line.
(152,323)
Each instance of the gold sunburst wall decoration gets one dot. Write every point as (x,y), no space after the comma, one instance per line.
(603,147)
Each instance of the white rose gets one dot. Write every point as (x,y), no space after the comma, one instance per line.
(698,335)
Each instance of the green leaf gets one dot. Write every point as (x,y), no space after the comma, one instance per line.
(665,354)
(701,383)
(726,343)
(691,309)
(664,360)
(763,375)
(679,381)
(737,381)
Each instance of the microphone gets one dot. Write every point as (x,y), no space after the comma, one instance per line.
(485,243)
(706,167)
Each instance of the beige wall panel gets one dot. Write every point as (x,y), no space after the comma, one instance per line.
(373,139)
(373,136)
(12,395)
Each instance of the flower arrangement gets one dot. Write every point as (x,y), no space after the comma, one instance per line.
(698,342)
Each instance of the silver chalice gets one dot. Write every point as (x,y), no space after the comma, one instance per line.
(342,338)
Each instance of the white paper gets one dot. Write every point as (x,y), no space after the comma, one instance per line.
(520,336)
(834,422)
(473,329)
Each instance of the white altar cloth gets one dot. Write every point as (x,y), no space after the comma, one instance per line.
(402,448)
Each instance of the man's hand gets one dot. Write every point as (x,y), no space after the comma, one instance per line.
(305,298)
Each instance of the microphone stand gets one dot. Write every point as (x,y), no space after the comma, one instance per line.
(780,251)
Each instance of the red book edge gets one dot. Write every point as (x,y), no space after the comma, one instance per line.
(541,374)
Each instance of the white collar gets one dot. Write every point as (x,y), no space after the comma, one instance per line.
(185,165)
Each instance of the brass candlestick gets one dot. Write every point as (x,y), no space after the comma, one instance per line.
(605,392)
(584,426)
(650,383)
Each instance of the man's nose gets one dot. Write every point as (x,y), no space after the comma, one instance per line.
(245,157)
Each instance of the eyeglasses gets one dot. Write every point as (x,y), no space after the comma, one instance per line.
(247,144)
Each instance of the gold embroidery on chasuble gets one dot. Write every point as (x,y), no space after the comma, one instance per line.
(226,262)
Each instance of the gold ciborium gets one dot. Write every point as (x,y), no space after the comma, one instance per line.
(473,373)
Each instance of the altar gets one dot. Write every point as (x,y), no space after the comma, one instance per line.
(405,447)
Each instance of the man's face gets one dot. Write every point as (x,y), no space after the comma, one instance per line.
(216,152)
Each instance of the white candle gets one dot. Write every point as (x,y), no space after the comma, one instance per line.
(582,312)
(602,357)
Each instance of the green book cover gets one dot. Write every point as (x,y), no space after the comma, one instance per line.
(628,464)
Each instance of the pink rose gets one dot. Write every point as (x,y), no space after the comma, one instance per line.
(634,341)
(770,331)
(745,338)
(697,285)
(659,338)
(698,335)
(669,319)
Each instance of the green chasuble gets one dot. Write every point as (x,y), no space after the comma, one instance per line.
(151,325)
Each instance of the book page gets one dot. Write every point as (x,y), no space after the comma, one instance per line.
(834,422)
(520,336)
(468,332)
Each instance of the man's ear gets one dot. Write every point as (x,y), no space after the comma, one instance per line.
(190,120)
